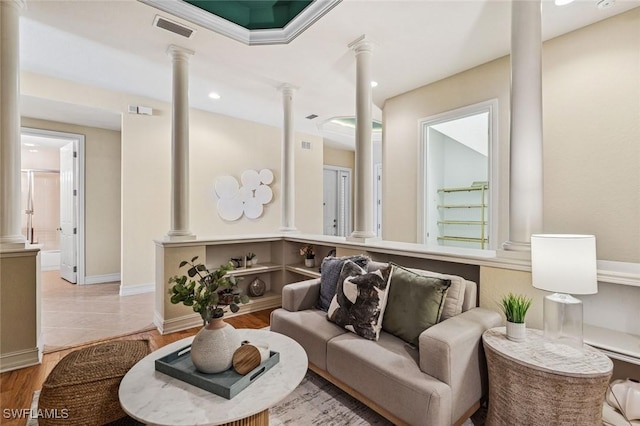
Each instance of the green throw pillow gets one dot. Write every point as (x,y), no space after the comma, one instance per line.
(414,303)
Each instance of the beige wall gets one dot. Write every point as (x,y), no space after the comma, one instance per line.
(102,194)
(219,145)
(591,94)
(339,158)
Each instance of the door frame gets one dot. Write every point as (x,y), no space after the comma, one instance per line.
(490,107)
(79,177)
(349,196)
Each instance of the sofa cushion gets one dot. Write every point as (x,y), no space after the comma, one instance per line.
(414,303)
(455,296)
(387,373)
(330,273)
(360,300)
(310,328)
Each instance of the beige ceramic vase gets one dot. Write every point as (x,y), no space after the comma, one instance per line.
(213,347)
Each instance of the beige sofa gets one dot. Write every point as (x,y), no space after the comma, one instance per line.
(439,383)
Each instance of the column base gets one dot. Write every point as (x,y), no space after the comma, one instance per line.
(13,242)
(289,230)
(179,236)
(516,246)
(363,237)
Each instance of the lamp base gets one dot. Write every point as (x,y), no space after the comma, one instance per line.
(562,315)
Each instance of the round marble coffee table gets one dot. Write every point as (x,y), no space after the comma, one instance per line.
(157,399)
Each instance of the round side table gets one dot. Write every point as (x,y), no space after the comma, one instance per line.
(539,382)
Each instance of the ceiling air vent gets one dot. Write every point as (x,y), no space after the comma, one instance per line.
(173,27)
(311,117)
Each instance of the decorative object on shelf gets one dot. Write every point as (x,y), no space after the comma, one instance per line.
(237,262)
(515,308)
(213,347)
(564,264)
(624,395)
(249,199)
(256,288)
(251,259)
(309,255)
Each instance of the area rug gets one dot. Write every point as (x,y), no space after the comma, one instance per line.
(314,402)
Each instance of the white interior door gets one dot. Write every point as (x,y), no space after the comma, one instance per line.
(337,201)
(330,202)
(68,213)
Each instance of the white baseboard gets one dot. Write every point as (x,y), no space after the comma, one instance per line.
(176,324)
(137,289)
(20,359)
(101,279)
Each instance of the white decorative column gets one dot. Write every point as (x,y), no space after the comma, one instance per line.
(10,197)
(363,224)
(526,174)
(180,145)
(288,162)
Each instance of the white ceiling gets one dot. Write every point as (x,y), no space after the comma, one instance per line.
(112,44)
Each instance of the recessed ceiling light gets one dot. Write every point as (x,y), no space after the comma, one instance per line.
(29,144)
(374,84)
(33,150)
(563,2)
(214,95)
(605,4)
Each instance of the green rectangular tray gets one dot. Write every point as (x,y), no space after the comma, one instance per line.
(227,384)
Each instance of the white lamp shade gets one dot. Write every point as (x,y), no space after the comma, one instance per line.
(564,263)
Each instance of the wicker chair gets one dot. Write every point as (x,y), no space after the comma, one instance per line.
(85,383)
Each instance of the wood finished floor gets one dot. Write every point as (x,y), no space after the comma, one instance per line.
(16,387)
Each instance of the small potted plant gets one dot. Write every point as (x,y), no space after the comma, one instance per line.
(251,259)
(309,255)
(515,307)
(209,293)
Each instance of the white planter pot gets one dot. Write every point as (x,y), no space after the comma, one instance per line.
(213,347)
(516,331)
(309,263)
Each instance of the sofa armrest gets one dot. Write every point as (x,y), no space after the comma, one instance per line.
(451,351)
(301,295)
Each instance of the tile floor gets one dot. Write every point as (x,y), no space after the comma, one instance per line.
(76,314)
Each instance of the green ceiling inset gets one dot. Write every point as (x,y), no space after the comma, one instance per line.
(254,14)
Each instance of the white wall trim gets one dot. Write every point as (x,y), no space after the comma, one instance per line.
(136,289)
(20,359)
(101,279)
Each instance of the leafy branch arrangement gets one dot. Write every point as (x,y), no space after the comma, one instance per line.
(208,292)
(515,307)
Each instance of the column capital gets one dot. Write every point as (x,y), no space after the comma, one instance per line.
(287,89)
(18,4)
(361,44)
(177,52)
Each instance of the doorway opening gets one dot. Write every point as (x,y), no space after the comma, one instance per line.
(458,178)
(53,198)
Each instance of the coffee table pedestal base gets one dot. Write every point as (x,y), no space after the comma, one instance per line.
(259,419)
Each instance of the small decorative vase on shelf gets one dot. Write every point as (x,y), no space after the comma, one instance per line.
(256,288)
(309,262)
(516,331)
(213,347)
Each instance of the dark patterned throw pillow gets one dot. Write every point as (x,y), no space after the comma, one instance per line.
(360,300)
(330,273)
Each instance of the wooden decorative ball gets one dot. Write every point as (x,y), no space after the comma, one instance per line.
(245,359)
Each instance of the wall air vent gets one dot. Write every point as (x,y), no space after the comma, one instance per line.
(306,145)
(173,26)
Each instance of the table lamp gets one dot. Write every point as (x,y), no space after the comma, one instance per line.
(565,265)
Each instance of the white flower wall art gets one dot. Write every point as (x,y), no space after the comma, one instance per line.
(249,199)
